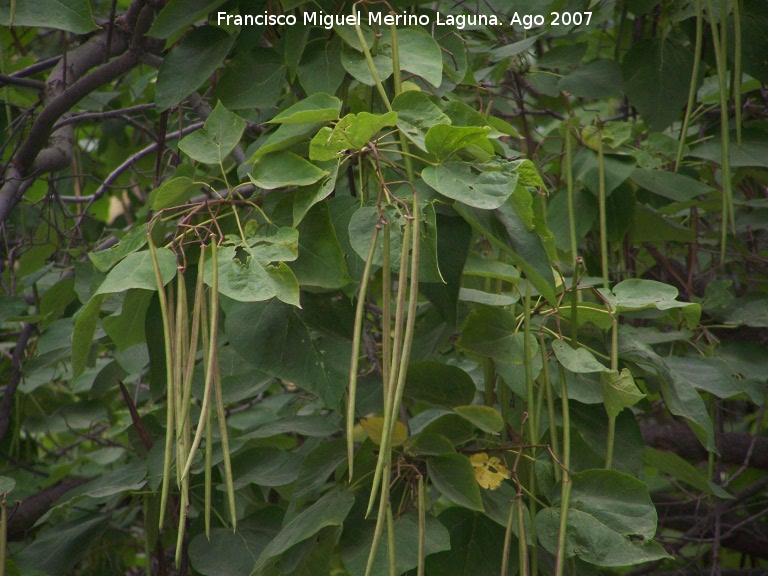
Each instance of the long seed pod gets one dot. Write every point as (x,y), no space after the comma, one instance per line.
(180,345)
(410,325)
(386,310)
(191,356)
(357,336)
(221,412)
(169,423)
(390,411)
(422,528)
(209,377)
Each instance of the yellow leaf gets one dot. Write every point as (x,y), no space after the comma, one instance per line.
(489,472)
(374,427)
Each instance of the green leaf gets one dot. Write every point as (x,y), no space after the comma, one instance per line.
(477,545)
(103,260)
(454,59)
(681,398)
(356,65)
(488,298)
(58,548)
(127,478)
(306,198)
(453,240)
(419,54)
(619,391)
(331,510)
(282,169)
(321,260)
(278,340)
(320,69)
(478,266)
(136,271)
(442,140)
(750,153)
(484,186)
(12,307)
(669,185)
(127,328)
(82,335)
(504,229)
(453,476)
(54,302)
(417,112)
(358,537)
(227,553)
(7,484)
(639,294)
(216,139)
(362,225)
(314,426)
(243,276)
(315,108)
(529,175)
(490,332)
(650,226)
(188,66)
(352,132)
(175,191)
(591,423)
(616,170)
(439,384)
(265,466)
(319,465)
(710,374)
(252,79)
(70,15)
(285,136)
(579,360)
(564,56)
(429,444)
(611,521)
(656,75)
(486,418)
(596,80)
(673,465)
(178,14)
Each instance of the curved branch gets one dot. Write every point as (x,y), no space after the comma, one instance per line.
(23,82)
(67,84)
(737,448)
(10,390)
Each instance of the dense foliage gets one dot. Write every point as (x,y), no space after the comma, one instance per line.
(479,291)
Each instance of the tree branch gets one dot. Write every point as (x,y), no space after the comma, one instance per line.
(737,448)
(67,84)
(23,82)
(10,390)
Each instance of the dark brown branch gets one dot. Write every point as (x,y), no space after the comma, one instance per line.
(138,156)
(45,150)
(37,67)
(10,390)
(742,533)
(30,510)
(734,447)
(23,82)
(102,115)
